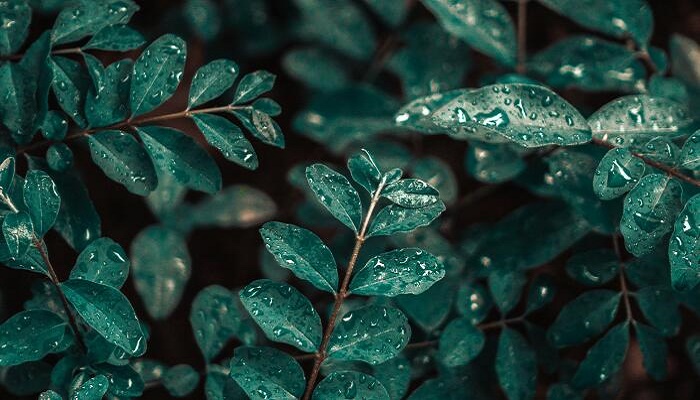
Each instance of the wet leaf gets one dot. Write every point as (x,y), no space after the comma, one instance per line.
(439,175)
(394,375)
(316,68)
(228,138)
(654,351)
(7,175)
(17,15)
(30,335)
(70,85)
(211,81)
(42,200)
(18,232)
(350,384)
(336,194)
(123,380)
(215,319)
(460,343)
(365,171)
(266,372)
(50,395)
(253,85)
(18,107)
(180,380)
(516,366)
(493,163)
(684,247)
(474,302)
(94,388)
(107,101)
(690,153)
(411,193)
(584,317)
(594,267)
(103,261)
(83,19)
(660,308)
(394,218)
(403,271)
(540,293)
(115,38)
(604,359)
(418,114)
(618,172)
(28,378)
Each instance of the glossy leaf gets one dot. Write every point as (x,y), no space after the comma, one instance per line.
(690,153)
(180,380)
(7,174)
(18,232)
(394,218)
(94,388)
(267,372)
(516,366)
(350,384)
(460,343)
(70,85)
(228,138)
(30,335)
(618,172)
(584,318)
(107,101)
(84,19)
(211,81)
(364,171)
(403,271)
(684,247)
(603,359)
(474,302)
(103,261)
(660,308)
(253,85)
(18,108)
(42,200)
(115,38)
(14,32)
(594,267)
(336,194)
(411,193)
(654,351)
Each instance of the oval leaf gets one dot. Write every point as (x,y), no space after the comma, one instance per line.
(266,372)
(336,194)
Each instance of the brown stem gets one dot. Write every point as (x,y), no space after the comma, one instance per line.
(70,50)
(501,323)
(522,36)
(623,282)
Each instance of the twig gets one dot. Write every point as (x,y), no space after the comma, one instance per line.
(522,36)
(70,50)
(623,282)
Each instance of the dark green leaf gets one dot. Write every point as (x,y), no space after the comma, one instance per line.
(584,318)
(265,129)
(228,138)
(180,380)
(70,85)
(7,175)
(316,68)
(83,19)
(364,171)
(253,85)
(654,351)
(516,366)
(239,206)
(59,157)
(103,261)
(394,218)
(460,343)
(17,15)
(493,163)
(394,375)
(430,308)
(350,384)
(18,107)
(540,293)
(54,126)
(18,232)
(506,286)
(660,308)
(50,395)
(215,319)
(402,271)
(411,193)
(123,380)
(692,347)
(336,194)
(594,267)
(684,247)
(474,302)
(437,174)
(690,153)
(618,172)
(42,200)
(115,38)
(107,102)
(266,372)
(211,81)
(94,388)
(604,359)
(28,378)
(30,335)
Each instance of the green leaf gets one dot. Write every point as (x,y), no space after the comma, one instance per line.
(373,334)
(394,218)
(123,160)
(42,200)
(493,163)
(108,312)
(649,211)
(103,261)
(94,388)
(267,372)
(17,15)
(474,302)
(460,343)
(660,149)
(123,380)
(283,313)
(506,286)
(690,153)
(350,384)
(265,129)
(618,172)
(684,247)
(364,171)
(316,68)
(59,157)
(660,308)
(594,267)
(411,193)
(19,233)
(253,85)
(336,194)
(402,271)
(180,380)
(115,38)
(106,102)
(483,24)
(516,366)
(54,126)
(228,138)
(28,378)
(418,114)
(83,19)
(303,253)
(220,386)
(526,114)
(603,359)
(430,308)
(50,395)
(70,85)
(562,391)
(654,351)
(179,155)
(31,335)
(391,12)
(452,387)
(439,175)
(157,73)
(211,81)
(18,108)
(238,206)
(683,53)
(630,120)
(394,375)
(540,293)
(584,318)
(7,175)
(160,268)
(215,319)
(204,18)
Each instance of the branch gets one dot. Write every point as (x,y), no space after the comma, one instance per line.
(522,36)
(623,282)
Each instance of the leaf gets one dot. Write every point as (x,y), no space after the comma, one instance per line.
(350,384)
(460,343)
(103,261)
(123,380)
(13,32)
(402,271)
(373,334)
(220,386)
(633,119)
(106,103)
(160,268)
(684,247)
(108,312)
(660,149)
(211,81)
(483,24)
(204,18)
(430,308)
(157,73)
(54,126)
(18,107)
(618,172)
(180,156)
(28,378)
(7,175)
(394,375)
(215,319)
(418,114)
(94,388)
(411,193)
(253,85)
(316,68)
(516,366)
(31,335)
(42,200)
(690,153)
(87,18)
(228,138)
(649,211)
(493,163)
(267,372)
(336,194)
(660,308)
(529,115)
(540,293)
(239,206)
(584,318)
(692,346)
(303,253)
(474,302)
(283,313)
(265,129)
(603,359)
(394,218)
(18,232)
(364,171)
(389,11)
(180,380)
(684,52)
(50,395)
(594,267)
(115,38)
(506,286)
(654,351)
(70,85)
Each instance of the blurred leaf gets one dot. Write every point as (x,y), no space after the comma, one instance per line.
(431,308)
(460,343)
(215,319)
(654,351)
(516,366)
(506,286)
(604,359)
(493,163)
(180,380)
(660,308)
(584,318)
(237,206)
(316,68)
(83,19)
(593,267)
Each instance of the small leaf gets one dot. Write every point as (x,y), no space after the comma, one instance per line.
(94,388)
(516,366)
(31,335)
(660,308)
(394,218)
(336,194)
(228,138)
(180,380)
(618,172)
(239,206)
(70,85)
(86,18)
(394,375)
(594,267)
(253,85)
(350,384)
(50,395)
(584,318)
(540,293)
(690,153)
(103,261)
(157,73)
(316,68)
(267,372)
(106,103)
(411,193)
(439,175)
(373,334)
(211,81)
(302,252)
(506,287)
(13,33)
(283,313)
(215,319)
(54,126)
(19,233)
(684,247)
(364,171)
(493,163)
(402,271)
(7,175)
(115,38)
(266,129)
(123,380)
(603,359)
(654,351)
(474,302)
(42,200)
(430,308)
(460,343)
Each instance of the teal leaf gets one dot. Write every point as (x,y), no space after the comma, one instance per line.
(36,63)
(59,157)
(115,38)
(584,318)
(123,380)
(618,172)
(394,375)
(283,313)
(516,366)
(439,175)
(211,81)
(180,156)
(157,73)
(7,175)
(180,380)
(683,53)
(122,158)
(418,114)
(103,261)
(267,106)
(430,308)
(460,342)
(690,153)
(594,267)
(529,115)
(506,286)
(303,253)
(660,149)
(70,85)
(411,193)
(692,347)
(215,319)
(108,312)
(267,372)
(391,12)
(660,308)
(604,359)
(30,335)
(490,163)
(540,293)
(32,260)
(402,271)
(453,387)
(364,171)
(336,194)
(54,126)
(239,206)
(160,268)
(474,302)
(13,32)
(394,218)
(684,247)
(654,351)
(218,385)
(253,85)
(18,107)
(649,211)
(373,334)
(204,18)
(350,384)
(228,138)
(266,129)
(50,395)
(107,101)
(18,232)
(562,391)
(42,200)
(28,378)
(87,18)
(94,388)
(483,24)
(316,68)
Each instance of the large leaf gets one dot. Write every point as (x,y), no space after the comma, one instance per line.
(16,15)
(460,342)
(115,38)
(583,318)
(30,335)
(336,194)
(516,366)
(684,247)
(103,261)
(42,200)
(211,81)
(267,372)
(228,138)
(604,359)
(350,384)
(215,319)
(85,18)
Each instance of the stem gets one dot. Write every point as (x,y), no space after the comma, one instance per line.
(623,282)
(70,50)
(522,36)
(501,323)
(342,294)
